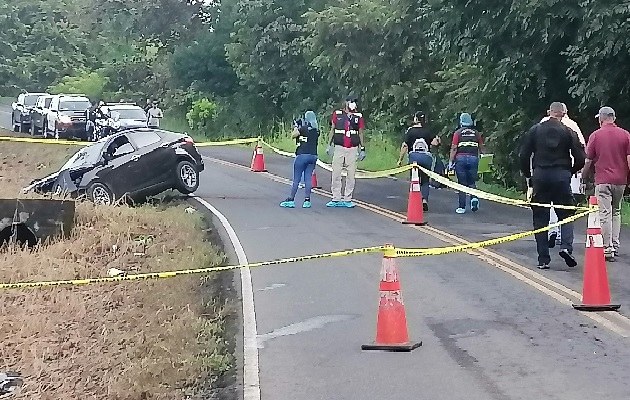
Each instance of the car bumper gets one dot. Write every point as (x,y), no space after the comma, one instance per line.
(79,128)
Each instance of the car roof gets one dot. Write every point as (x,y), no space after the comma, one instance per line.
(123,106)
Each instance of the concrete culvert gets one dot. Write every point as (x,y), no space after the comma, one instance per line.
(18,233)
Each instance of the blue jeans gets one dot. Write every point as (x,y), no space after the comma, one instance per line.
(466,168)
(425,160)
(303,166)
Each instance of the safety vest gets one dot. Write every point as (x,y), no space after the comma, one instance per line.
(468,141)
(347,125)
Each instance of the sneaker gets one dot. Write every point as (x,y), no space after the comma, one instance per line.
(543,266)
(333,203)
(474,205)
(552,240)
(460,210)
(288,204)
(347,204)
(568,258)
(425,205)
(610,258)
(306,204)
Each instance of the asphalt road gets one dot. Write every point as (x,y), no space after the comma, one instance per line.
(5,117)
(486,335)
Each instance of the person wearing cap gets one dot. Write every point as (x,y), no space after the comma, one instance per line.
(418,142)
(555,234)
(466,148)
(346,136)
(608,151)
(549,155)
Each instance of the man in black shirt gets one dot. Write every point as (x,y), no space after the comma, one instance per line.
(550,154)
(418,142)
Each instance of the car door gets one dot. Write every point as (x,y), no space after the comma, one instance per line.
(157,159)
(17,109)
(52,114)
(38,110)
(118,173)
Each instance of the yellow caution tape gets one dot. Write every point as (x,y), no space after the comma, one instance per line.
(172,274)
(388,251)
(227,142)
(493,197)
(46,141)
(492,242)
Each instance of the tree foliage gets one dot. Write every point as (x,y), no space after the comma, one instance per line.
(260,61)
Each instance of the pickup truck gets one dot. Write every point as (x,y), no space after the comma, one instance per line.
(39,114)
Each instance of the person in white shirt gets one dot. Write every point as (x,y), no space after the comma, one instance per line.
(554,233)
(154,114)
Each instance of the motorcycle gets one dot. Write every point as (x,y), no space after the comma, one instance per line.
(10,384)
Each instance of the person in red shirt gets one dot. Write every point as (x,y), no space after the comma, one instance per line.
(347,137)
(608,151)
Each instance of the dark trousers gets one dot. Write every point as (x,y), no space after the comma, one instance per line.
(426,161)
(552,185)
(466,167)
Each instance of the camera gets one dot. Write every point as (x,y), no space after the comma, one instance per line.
(298,123)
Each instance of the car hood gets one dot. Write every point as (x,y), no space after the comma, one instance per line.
(62,178)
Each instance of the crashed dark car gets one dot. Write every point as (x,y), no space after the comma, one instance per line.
(133,164)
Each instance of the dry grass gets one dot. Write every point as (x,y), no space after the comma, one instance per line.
(135,340)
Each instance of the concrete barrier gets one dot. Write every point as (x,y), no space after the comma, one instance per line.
(30,222)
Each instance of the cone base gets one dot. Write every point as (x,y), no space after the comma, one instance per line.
(415,223)
(405,347)
(259,170)
(602,307)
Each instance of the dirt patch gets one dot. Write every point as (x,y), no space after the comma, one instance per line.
(164,339)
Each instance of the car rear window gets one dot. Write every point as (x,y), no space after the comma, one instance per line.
(74,105)
(144,139)
(31,100)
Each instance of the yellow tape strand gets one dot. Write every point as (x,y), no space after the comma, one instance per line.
(388,251)
(227,142)
(45,141)
(493,197)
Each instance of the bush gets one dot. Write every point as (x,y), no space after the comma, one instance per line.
(90,83)
(202,113)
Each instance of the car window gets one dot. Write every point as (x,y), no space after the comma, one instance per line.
(131,113)
(144,139)
(74,105)
(30,100)
(47,102)
(124,149)
(120,146)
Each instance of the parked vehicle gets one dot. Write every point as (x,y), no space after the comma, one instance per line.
(135,163)
(67,117)
(126,116)
(39,114)
(21,114)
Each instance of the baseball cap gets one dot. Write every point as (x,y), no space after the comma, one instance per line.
(605,112)
(352,97)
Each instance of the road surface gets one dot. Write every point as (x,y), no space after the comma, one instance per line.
(485,334)
(5,117)
(488,331)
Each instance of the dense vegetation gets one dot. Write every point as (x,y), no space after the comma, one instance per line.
(239,67)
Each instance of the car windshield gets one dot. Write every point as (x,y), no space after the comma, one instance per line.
(74,105)
(30,100)
(88,155)
(130,113)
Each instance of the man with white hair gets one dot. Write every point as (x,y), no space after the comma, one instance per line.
(555,233)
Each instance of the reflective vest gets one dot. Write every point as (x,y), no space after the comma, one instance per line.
(347,125)
(468,141)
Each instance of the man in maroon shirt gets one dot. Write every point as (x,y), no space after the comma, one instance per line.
(346,135)
(608,150)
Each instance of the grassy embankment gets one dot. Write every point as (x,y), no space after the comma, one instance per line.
(166,339)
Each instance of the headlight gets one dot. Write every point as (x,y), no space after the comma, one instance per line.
(64,119)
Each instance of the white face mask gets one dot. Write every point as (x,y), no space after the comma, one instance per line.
(352,105)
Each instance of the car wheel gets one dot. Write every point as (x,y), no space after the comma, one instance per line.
(33,129)
(100,194)
(187,177)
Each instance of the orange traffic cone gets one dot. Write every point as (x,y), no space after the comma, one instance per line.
(391,327)
(596,292)
(415,213)
(314,181)
(258,160)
